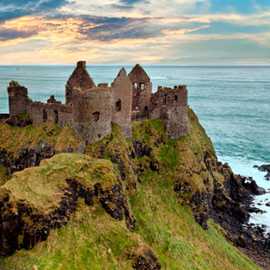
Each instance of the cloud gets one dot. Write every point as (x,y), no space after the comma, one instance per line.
(9,34)
(149,31)
(10,9)
(227,28)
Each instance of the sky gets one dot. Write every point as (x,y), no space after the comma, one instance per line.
(184,32)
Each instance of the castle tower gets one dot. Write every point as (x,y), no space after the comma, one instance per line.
(122,102)
(18,98)
(142,89)
(92,113)
(80,80)
(171,105)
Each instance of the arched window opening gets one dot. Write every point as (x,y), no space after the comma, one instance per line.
(165,99)
(118,105)
(56,117)
(96,116)
(142,86)
(135,85)
(146,109)
(176,98)
(45,115)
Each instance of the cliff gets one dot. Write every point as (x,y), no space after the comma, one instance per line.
(148,202)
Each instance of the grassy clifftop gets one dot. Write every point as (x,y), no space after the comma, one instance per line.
(14,139)
(159,177)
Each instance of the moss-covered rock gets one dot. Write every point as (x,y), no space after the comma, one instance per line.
(39,199)
(15,139)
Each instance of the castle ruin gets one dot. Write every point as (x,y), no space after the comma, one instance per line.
(91,109)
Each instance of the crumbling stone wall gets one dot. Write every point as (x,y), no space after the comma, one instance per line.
(142,90)
(18,99)
(90,109)
(176,120)
(50,112)
(92,113)
(170,104)
(122,102)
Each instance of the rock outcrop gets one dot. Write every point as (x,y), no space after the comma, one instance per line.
(24,223)
(265,168)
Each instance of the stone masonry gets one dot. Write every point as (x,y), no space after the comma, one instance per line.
(91,109)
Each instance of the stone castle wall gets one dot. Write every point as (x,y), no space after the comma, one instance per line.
(170,104)
(18,99)
(142,90)
(92,113)
(50,112)
(91,109)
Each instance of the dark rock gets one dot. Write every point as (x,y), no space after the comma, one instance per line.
(26,157)
(200,208)
(141,149)
(251,185)
(115,204)
(145,259)
(18,121)
(255,210)
(22,226)
(265,168)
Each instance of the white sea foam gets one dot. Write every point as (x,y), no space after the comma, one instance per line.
(246,168)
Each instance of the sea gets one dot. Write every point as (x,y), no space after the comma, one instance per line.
(232,102)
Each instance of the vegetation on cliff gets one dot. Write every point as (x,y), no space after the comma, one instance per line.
(14,139)
(159,177)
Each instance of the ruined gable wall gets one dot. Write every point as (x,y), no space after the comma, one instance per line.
(142,91)
(92,113)
(122,102)
(79,80)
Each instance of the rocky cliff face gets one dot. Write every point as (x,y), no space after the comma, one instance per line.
(150,182)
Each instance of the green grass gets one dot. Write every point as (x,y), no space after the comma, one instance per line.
(179,242)
(93,240)
(13,139)
(117,148)
(43,185)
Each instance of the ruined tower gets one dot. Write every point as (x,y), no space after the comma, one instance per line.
(122,101)
(79,80)
(92,113)
(18,98)
(142,90)
(171,105)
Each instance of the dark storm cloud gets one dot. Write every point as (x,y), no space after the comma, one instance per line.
(10,9)
(114,28)
(117,28)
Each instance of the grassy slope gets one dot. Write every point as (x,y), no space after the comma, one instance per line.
(93,240)
(43,185)
(13,139)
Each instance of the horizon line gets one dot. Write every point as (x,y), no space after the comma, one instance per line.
(157,65)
